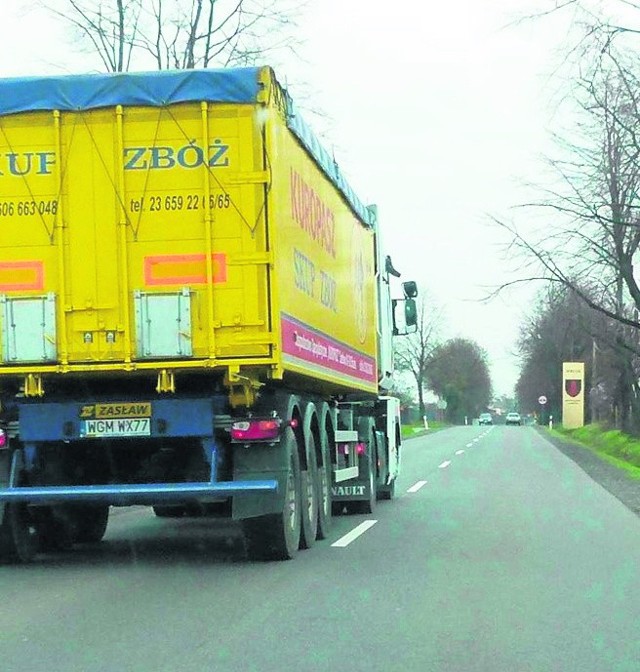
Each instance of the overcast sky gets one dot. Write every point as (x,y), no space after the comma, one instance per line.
(438,113)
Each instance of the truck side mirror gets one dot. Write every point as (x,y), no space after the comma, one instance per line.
(405,320)
(410,289)
(410,315)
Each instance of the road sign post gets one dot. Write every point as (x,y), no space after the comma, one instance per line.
(542,400)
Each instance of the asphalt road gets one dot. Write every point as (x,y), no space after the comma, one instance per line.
(504,557)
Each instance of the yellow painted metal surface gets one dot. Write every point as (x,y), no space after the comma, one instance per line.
(124,216)
(324,270)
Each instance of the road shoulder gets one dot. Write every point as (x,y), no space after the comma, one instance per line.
(615,480)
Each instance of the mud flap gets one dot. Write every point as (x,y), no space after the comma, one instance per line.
(258,462)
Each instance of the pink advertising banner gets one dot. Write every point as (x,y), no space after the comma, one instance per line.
(307,344)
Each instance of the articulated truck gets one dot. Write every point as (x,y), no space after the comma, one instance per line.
(196,313)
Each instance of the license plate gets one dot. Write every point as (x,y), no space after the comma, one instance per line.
(116,427)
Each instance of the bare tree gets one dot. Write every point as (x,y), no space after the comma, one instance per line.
(108,29)
(180,34)
(592,225)
(413,352)
(591,230)
(604,23)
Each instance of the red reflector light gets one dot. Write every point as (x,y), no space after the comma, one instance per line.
(360,448)
(343,448)
(3,438)
(255,430)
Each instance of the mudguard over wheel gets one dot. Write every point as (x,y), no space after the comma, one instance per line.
(277,536)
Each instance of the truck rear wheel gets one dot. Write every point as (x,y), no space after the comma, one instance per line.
(90,523)
(55,528)
(19,540)
(277,536)
(368,505)
(309,490)
(387,491)
(325,505)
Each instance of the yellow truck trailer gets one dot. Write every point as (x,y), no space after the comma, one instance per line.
(195,312)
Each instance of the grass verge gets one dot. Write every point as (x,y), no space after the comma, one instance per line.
(409,431)
(612,445)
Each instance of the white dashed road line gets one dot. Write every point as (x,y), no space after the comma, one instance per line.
(414,488)
(354,534)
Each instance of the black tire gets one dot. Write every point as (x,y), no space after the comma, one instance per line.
(277,536)
(309,497)
(387,492)
(19,539)
(368,505)
(90,523)
(325,504)
(165,511)
(55,529)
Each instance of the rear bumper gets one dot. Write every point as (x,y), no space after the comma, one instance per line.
(144,493)
(176,418)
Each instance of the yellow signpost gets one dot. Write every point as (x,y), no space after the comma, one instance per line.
(572,394)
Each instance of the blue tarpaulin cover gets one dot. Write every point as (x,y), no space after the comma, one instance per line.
(159,89)
(165,87)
